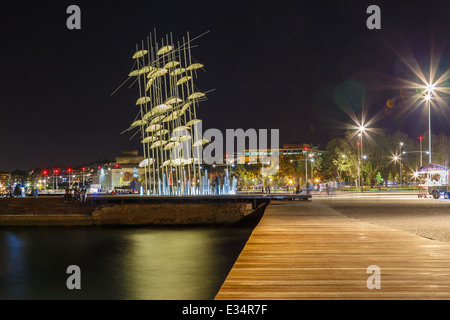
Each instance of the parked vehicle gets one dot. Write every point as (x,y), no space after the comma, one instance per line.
(435,181)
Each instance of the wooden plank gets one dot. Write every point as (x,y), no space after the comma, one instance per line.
(305,250)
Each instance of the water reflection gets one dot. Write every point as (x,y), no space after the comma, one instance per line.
(118,263)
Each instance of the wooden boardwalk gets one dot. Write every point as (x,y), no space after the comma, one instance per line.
(306,250)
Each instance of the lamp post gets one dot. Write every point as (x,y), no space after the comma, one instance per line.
(397,158)
(69,171)
(428,98)
(83,169)
(361,131)
(55,176)
(420,144)
(429,90)
(401,152)
(306,170)
(359,166)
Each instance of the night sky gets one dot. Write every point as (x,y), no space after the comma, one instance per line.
(273,65)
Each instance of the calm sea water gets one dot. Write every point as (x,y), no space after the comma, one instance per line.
(149,263)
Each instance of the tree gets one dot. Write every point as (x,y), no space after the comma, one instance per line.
(369,173)
(329,169)
(379,178)
(246,174)
(316,166)
(340,160)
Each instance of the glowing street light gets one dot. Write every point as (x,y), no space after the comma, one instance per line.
(397,158)
(361,131)
(360,128)
(55,172)
(69,172)
(429,90)
(420,144)
(424,87)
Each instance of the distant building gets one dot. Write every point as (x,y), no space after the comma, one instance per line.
(129,158)
(292,149)
(5,179)
(121,174)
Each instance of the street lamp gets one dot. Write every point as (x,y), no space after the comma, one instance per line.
(429,90)
(358,144)
(361,131)
(83,169)
(69,171)
(400,159)
(306,171)
(55,172)
(397,158)
(420,143)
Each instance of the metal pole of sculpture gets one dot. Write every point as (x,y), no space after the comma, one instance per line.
(167,118)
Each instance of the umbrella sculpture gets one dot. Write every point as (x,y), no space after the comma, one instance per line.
(166,120)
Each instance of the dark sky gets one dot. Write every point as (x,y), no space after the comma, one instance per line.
(273,65)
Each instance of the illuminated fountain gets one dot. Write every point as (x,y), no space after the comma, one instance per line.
(166,120)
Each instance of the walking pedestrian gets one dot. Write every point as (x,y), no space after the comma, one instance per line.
(77,194)
(83,194)
(68,194)
(17,191)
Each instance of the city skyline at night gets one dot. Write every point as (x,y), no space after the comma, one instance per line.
(225,157)
(297,68)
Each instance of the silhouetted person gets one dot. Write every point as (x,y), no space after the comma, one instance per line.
(17,191)
(83,194)
(77,194)
(68,194)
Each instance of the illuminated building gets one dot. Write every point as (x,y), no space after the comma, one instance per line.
(5,179)
(287,150)
(122,174)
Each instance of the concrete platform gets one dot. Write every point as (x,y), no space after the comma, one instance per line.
(255,199)
(134,210)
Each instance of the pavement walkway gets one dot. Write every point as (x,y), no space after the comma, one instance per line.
(306,250)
